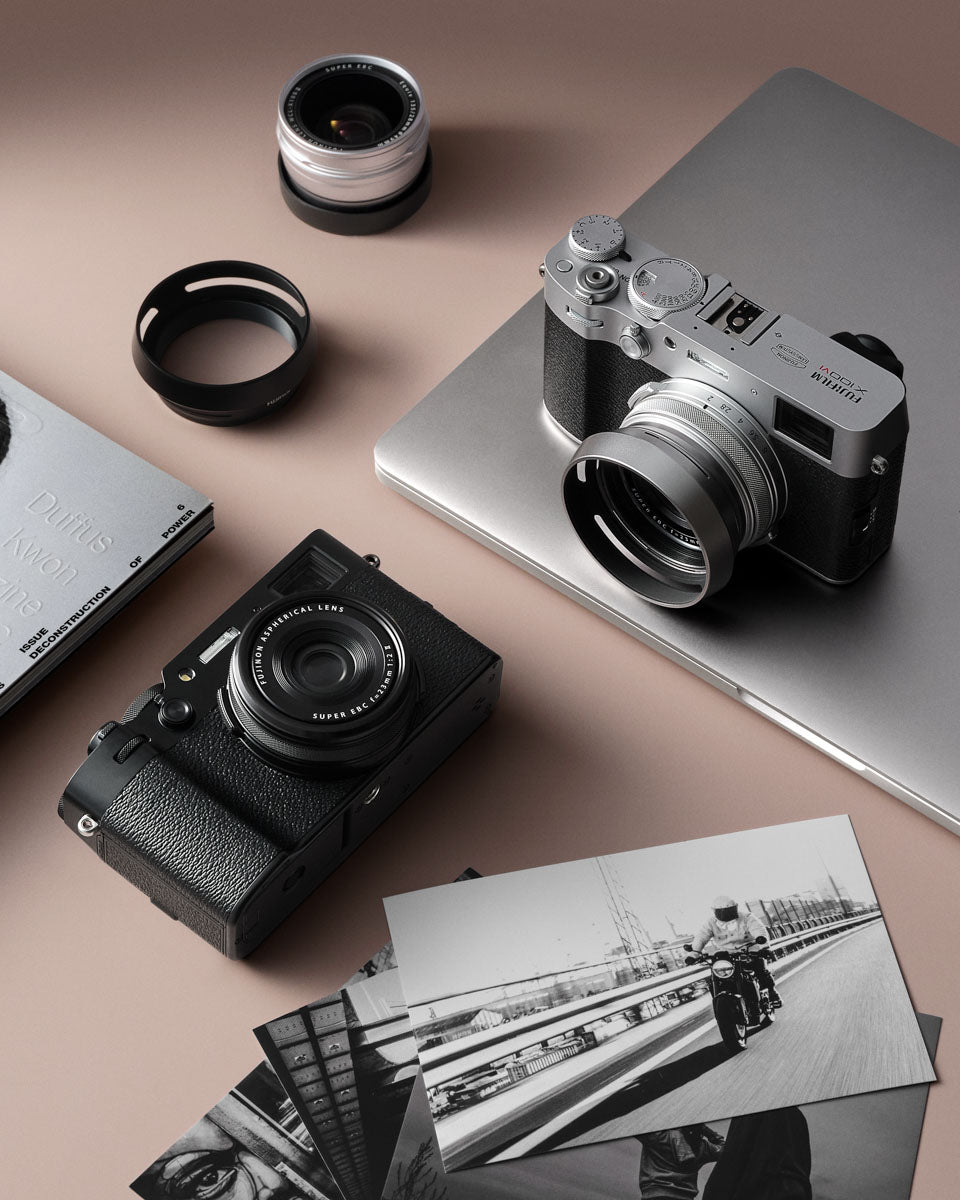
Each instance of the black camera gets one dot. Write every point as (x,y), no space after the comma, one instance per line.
(278,740)
(710,423)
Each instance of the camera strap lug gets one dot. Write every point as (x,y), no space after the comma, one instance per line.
(109,767)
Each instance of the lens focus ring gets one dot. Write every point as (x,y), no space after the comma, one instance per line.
(757,475)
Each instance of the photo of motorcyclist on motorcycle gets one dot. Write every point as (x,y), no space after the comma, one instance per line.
(744,992)
(728,929)
(581,1002)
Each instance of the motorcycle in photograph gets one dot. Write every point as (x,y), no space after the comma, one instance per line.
(740,1004)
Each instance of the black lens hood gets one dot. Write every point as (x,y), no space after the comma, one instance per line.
(357,218)
(226,289)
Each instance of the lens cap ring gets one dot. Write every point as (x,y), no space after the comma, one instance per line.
(357,218)
(675,476)
(225,289)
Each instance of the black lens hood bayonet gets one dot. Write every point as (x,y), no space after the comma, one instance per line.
(226,289)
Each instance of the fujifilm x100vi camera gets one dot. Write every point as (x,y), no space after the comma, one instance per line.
(278,739)
(709,423)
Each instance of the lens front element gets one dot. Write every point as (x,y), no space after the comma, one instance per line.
(320,683)
(350,109)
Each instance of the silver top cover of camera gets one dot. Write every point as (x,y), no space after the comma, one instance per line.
(683,312)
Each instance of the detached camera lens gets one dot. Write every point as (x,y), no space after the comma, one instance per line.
(354,152)
(321,684)
(665,502)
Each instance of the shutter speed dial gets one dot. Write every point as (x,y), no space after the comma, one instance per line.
(597,238)
(665,285)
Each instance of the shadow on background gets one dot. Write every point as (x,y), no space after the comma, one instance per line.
(481,173)
(644,1091)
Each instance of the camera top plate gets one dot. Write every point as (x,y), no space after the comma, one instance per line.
(815,199)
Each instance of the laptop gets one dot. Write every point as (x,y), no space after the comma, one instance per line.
(832,209)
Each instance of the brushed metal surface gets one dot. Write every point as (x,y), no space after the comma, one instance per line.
(840,213)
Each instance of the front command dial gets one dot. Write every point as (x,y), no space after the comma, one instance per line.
(597,238)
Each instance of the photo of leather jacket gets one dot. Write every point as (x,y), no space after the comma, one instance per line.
(672,1159)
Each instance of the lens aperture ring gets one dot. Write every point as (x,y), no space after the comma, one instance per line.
(665,502)
(692,412)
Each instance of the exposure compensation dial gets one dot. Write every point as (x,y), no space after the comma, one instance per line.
(597,238)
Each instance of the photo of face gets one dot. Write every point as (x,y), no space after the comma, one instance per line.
(250,1146)
(207,1164)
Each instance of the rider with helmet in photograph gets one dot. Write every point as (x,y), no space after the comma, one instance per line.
(727,928)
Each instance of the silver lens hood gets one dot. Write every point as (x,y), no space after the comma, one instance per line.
(613,544)
(666,502)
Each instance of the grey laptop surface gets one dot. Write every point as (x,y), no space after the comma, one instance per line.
(844,215)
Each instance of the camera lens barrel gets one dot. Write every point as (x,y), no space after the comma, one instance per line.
(321,684)
(666,502)
(354,144)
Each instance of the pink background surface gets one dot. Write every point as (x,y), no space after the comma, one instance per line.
(136,139)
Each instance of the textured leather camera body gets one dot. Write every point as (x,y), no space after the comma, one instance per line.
(222,840)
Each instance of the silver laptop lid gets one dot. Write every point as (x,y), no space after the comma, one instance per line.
(842,214)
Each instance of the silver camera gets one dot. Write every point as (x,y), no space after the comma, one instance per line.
(709,422)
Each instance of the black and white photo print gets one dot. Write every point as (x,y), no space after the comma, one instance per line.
(652,989)
(857,1148)
(4,430)
(249,1146)
(348,1062)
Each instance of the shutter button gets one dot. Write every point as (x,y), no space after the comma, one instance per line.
(176,714)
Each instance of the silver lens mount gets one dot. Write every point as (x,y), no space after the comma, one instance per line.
(666,502)
(353,133)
